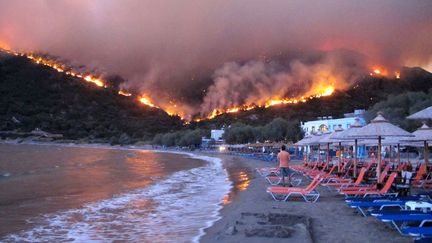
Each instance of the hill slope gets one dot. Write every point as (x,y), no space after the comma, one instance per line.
(34,96)
(363,95)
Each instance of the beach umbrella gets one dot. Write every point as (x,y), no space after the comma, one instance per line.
(422,115)
(379,128)
(325,139)
(423,134)
(315,140)
(389,141)
(346,135)
(331,138)
(303,143)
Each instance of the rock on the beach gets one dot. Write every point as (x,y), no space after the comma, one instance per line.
(277,231)
(231,230)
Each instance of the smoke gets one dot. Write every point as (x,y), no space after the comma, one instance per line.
(202,54)
(257,81)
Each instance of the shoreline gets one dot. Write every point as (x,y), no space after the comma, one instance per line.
(248,214)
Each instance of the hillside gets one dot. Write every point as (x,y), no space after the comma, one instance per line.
(366,93)
(33,96)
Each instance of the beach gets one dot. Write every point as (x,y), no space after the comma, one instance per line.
(242,212)
(253,216)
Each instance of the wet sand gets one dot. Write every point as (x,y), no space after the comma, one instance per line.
(251,215)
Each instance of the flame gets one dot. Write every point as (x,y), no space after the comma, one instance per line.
(318,92)
(124,93)
(146,101)
(171,108)
(397,75)
(380,71)
(94,80)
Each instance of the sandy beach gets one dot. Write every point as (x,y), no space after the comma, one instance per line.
(253,216)
(249,214)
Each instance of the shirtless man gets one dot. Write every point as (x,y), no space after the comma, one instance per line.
(284,159)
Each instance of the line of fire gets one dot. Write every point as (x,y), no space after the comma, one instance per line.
(316,92)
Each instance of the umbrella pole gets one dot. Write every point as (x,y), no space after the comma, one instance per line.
(328,153)
(390,154)
(426,154)
(378,171)
(398,154)
(319,154)
(355,158)
(340,156)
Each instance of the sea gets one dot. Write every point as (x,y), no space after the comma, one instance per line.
(58,193)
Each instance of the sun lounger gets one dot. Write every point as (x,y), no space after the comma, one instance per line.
(420,196)
(420,231)
(365,186)
(309,194)
(369,192)
(402,219)
(341,183)
(381,204)
(276,179)
(267,171)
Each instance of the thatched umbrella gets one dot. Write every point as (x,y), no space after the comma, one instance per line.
(315,140)
(346,135)
(324,139)
(423,134)
(329,139)
(379,128)
(422,115)
(303,143)
(389,141)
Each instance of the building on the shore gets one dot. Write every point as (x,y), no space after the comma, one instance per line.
(217,134)
(328,124)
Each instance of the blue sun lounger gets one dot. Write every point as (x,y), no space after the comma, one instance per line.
(381,204)
(420,231)
(371,199)
(379,212)
(405,218)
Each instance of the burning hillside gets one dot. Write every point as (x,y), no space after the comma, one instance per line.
(198,60)
(265,85)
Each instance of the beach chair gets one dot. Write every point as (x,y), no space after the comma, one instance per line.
(396,205)
(372,192)
(322,172)
(345,183)
(276,179)
(420,231)
(309,194)
(366,186)
(399,220)
(267,171)
(418,181)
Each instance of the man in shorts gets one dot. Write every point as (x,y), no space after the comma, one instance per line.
(284,159)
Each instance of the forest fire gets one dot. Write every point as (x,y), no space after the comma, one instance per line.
(146,101)
(380,71)
(124,93)
(319,90)
(326,91)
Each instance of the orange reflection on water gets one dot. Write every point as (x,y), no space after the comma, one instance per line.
(241,182)
(244,181)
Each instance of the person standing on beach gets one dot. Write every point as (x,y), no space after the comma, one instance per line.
(284,158)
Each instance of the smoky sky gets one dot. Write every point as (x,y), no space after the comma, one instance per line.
(177,50)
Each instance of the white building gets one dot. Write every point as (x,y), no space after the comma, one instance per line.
(328,124)
(217,134)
